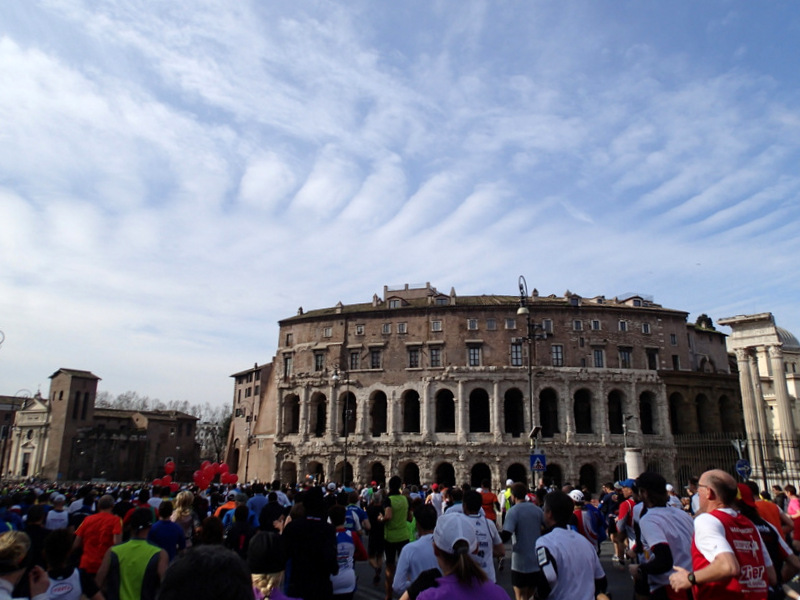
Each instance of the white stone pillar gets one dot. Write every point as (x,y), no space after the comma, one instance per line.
(331,429)
(279,417)
(600,412)
(303,425)
(497,422)
(569,415)
(634,461)
(462,408)
(758,397)
(784,406)
(391,415)
(363,409)
(751,420)
(425,410)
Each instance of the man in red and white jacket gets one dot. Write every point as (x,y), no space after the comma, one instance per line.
(729,559)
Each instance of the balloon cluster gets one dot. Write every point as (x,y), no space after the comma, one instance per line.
(166,480)
(208,472)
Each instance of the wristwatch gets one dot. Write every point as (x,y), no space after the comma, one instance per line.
(691,578)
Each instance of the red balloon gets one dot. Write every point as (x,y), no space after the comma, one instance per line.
(225,478)
(174,486)
(169,468)
(197,474)
(204,465)
(233,478)
(215,468)
(157,482)
(166,480)
(224,468)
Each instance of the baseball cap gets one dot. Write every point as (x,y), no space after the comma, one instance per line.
(669,487)
(745,494)
(59,498)
(627,483)
(331,486)
(576,495)
(435,486)
(141,518)
(509,482)
(452,527)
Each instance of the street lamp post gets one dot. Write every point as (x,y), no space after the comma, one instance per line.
(336,377)
(531,338)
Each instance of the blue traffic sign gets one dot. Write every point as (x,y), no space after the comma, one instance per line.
(743,468)
(538,462)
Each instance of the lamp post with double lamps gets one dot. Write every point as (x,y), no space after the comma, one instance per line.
(530,336)
(347,415)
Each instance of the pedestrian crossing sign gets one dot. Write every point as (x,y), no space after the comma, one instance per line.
(538,462)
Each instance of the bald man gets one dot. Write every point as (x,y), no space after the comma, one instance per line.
(729,560)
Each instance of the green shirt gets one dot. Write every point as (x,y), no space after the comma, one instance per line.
(396,530)
(134,571)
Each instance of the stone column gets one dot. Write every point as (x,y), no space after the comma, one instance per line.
(331,430)
(391,414)
(425,410)
(600,413)
(279,419)
(497,423)
(569,414)
(363,409)
(758,397)
(784,405)
(751,421)
(462,408)
(305,402)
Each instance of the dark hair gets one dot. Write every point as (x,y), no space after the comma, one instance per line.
(394,483)
(560,506)
(485,483)
(790,488)
(213,532)
(58,547)
(165,509)
(456,494)
(36,513)
(258,488)
(336,514)
(207,573)
(472,501)
(272,497)
(518,490)
(753,487)
(462,565)
(352,498)
(655,485)
(426,516)
(241,513)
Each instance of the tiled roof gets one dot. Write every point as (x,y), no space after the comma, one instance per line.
(76,373)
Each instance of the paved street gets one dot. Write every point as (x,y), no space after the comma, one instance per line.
(619,582)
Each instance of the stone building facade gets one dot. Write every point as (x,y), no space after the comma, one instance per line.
(63,436)
(768,359)
(435,386)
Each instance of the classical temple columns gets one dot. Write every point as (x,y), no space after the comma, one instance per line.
(783,404)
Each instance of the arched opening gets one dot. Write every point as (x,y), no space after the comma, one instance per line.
(676,424)
(411,411)
(548,412)
(620,472)
(517,472)
(684,475)
(316,472)
(318,413)
(514,413)
(348,412)
(445,412)
(446,475)
(587,478)
(730,415)
(291,414)
(377,413)
(377,473)
(707,415)
(615,412)
(411,474)
(646,413)
(233,464)
(478,473)
(654,466)
(479,411)
(553,475)
(289,473)
(583,411)
(341,477)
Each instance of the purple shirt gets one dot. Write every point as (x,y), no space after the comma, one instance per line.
(450,589)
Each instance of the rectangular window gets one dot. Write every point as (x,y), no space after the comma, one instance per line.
(402,328)
(248,392)
(386,328)
(255,390)
(258,375)
(394,303)
(474,356)
(355,360)
(287,365)
(637,302)
(673,339)
(645,328)
(581,342)
(436,325)
(436,357)
(511,324)
(577,325)
(374,359)
(491,324)
(327,331)
(472,324)
(652,359)
(516,354)
(289,339)
(413,358)
(595,325)
(583,362)
(557,354)
(625,358)
(547,325)
(319,361)
(442,302)
(676,362)
(623,326)
(599,361)
(359,330)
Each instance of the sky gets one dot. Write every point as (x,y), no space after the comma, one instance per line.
(176,177)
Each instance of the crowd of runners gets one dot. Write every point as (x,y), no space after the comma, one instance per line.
(715,539)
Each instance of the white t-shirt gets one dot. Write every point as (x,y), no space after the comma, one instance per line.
(488,537)
(56,519)
(663,525)
(709,536)
(572,565)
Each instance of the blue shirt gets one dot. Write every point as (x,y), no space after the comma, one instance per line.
(167,535)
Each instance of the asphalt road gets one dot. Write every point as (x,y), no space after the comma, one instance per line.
(619,582)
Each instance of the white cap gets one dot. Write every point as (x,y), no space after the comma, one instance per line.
(331,486)
(669,487)
(452,527)
(576,495)
(509,482)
